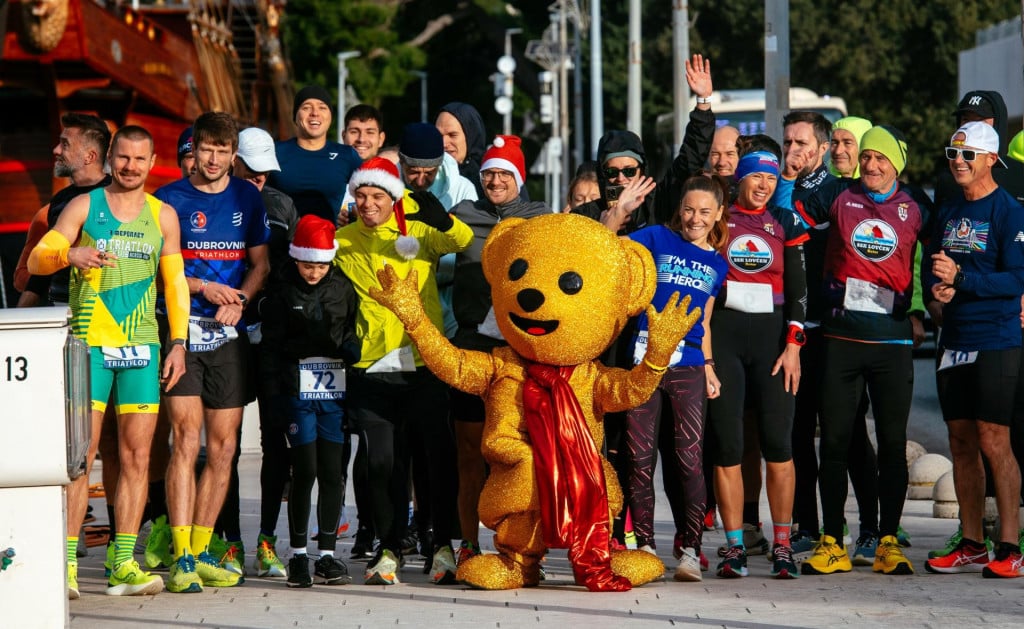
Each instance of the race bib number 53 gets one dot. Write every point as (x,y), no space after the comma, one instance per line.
(207,334)
(321,379)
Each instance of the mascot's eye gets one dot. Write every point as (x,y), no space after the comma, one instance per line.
(570,282)
(518,269)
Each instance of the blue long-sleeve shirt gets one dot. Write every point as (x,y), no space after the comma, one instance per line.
(986,238)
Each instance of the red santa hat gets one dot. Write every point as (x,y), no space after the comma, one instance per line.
(505,153)
(314,240)
(382,173)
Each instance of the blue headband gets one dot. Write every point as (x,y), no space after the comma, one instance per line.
(757,162)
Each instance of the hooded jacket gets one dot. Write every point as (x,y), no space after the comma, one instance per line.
(476,141)
(658,207)
(1010,178)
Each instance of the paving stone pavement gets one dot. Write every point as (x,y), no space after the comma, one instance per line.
(857,599)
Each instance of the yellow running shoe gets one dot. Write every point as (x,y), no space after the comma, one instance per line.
(889,558)
(73,593)
(827,557)
(213,575)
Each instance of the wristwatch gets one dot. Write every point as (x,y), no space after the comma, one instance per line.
(796,336)
(243,299)
(179,342)
(703,101)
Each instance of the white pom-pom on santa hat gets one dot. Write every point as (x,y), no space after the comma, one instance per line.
(314,240)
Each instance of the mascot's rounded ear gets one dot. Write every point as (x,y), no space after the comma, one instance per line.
(496,242)
(642,275)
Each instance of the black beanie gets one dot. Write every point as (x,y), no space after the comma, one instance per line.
(308,92)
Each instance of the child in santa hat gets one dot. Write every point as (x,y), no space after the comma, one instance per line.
(308,339)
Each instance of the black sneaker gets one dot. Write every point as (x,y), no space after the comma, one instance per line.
(734,564)
(410,543)
(783,566)
(298,572)
(362,548)
(427,543)
(331,571)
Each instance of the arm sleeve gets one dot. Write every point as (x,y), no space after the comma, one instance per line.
(176,295)
(917,298)
(693,154)
(794,282)
(50,255)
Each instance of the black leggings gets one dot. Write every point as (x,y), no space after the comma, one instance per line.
(886,371)
(684,390)
(745,349)
(275,468)
(391,411)
(319,461)
(862,461)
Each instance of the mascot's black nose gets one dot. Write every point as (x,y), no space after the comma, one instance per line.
(530,299)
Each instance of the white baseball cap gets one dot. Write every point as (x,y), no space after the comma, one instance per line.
(978,135)
(256,148)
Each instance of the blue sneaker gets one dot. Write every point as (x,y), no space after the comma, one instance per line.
(864,554)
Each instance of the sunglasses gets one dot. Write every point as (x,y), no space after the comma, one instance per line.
(969,155)
(629,172)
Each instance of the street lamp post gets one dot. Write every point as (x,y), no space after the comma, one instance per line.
(342,77)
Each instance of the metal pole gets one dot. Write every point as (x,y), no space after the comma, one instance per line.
(776,65)
(633,87)
(577,96)
(423,94)
(680,52)
(596,79)
(563,92)
(342,77)
(507,118)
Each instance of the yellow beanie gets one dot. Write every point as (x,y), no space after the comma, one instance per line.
(858,127)
(888,141)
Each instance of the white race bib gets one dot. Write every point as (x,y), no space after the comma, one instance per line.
(489,327)
(955,358)
(640,349)
(128,357)
(863,296)
(400,359)
(751,297)
(206,334)
(321,379)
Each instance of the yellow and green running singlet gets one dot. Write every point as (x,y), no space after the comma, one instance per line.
(114,306)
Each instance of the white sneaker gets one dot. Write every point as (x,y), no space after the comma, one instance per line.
(689,566)
(647,548)
(442,570)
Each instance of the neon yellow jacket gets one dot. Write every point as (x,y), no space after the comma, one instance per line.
(362,251)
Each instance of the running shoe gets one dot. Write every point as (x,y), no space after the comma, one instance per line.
(411,542)
(298,572)
(213,575)
(383,569)
(648,548)
(233,558)
(864,551)
(362,548)
(1006,565)
(709,521)
(157,552)
(753,540)
(902,537)
(969,556)
(267,563)
(801,542)
(330,570)
(73,593)
(443,567)
(128,579)
(828,557)
(705,565)
(108,563)
(689,569)
(183,577)
(951,544)
(426,547)
(734,564)
(783,566)
(889,557)
(466,551)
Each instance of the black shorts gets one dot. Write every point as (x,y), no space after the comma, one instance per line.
(981,390)
(220,377)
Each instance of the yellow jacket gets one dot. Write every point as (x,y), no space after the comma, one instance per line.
(362,251)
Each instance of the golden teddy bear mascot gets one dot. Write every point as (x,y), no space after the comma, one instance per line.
(563,287)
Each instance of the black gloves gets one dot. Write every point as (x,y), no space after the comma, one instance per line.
(431,212)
